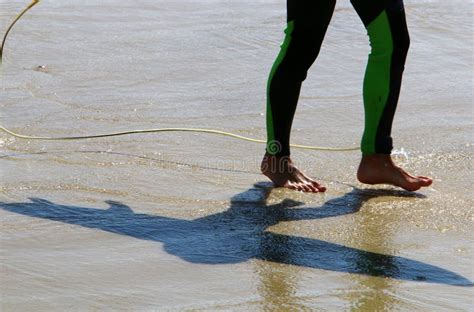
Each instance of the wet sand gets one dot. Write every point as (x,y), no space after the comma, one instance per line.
(178,221)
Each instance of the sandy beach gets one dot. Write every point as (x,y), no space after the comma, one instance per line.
(185,222)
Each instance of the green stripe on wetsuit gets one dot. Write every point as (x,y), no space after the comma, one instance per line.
(377,79)
(273,146)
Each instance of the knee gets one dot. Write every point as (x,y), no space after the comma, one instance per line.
(401,44)
(394,46)
(304,49)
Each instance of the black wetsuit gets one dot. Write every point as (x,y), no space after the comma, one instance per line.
(307,23)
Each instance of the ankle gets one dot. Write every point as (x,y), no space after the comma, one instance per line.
(376,160)
(275,164)
(376,156)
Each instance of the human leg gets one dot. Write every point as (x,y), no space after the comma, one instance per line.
(388,33)
(307,24)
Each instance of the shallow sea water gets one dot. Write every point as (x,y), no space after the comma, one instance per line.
(181,221)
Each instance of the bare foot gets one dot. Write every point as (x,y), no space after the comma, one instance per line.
(380,169)
(284,173)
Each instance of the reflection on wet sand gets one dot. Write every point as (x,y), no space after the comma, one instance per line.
(279,287)
(374,294)
(239,234)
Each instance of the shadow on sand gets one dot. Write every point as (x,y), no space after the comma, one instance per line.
(239,234)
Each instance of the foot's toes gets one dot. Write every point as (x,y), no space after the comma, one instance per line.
(305,188)
(321,188)
(293,186)
(425,181)
(318,186)
(313,188)
(302,187)
(416,183)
